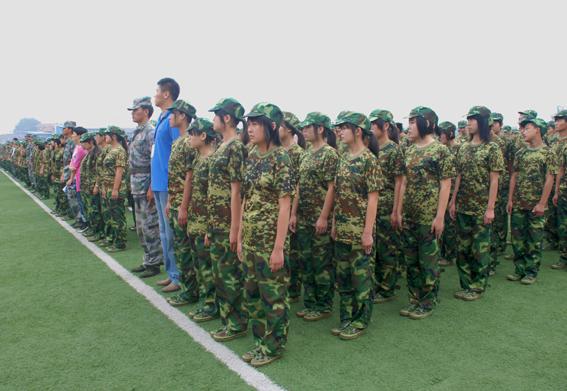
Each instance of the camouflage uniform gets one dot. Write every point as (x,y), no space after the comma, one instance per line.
(147,224)
(562,203)
(114,158)
(426,167)
(448,245)
(318,168)
(551,217)
(91,201)
(531,165)
(104,211)
(71,191)
(474,165)
(500,223)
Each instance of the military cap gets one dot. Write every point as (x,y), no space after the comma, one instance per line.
(268,110)
(316,118)
(183,107)
(145,101)
(384,115)
(448,127)
(561,114)
(87,137)
(115,130)
(69,124)
(551,124)
(462,124)
(481,111)
(424,112)
(101,131)
(497,117)
(203,125)
(291,121)
(532,114)
(538,122)
(507,128)
(230,106)
(357,119)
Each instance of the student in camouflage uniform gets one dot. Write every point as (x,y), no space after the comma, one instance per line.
(114,191)
(180,172)
(139,160)
(552,139)
(310,215)
(479,165)
(202,140)
(73,205)
(56,171)
(103,236)
(262,243)
(423,199)
(224,202)
(90,200)
(388,240)
(560,196)
(463,134)
(532,181)
(358,181)
(448,247)
(287,131)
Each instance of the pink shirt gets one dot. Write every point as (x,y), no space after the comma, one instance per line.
(78,154)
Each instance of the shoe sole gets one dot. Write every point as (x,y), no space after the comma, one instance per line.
(386,300)
(231,337)
(472,299)
(202,320)
(419,317)
(263,363)
(324,315)
(527,283)
(350,337)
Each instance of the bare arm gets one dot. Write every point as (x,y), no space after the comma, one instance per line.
(322,221)
(367,234)
(117,181)
(492,194)
(277,257)
(184,207)
(235,211)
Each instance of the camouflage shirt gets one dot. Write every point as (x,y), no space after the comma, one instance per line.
(140,160)
(295,153)
(181,160)
(425,168)
(357,176)
(67,155)
(532,166)
(318,168)
(391,160)
(267,179)
(57,167)
(475,162)
(88,173)
(198,215)
(226,166)
(504,146)
(99,168)
(114,158)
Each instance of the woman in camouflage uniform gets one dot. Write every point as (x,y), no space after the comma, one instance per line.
(268,189)
(358,182)
(88,177)
(423,202)
(104,234)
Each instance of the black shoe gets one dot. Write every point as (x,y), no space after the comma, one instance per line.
(150,271)
(138,269)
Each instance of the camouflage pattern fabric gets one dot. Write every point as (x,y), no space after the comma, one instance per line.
(198,214)
(532,166)
(115,220)
(139,158)
(147,228)
(391,160)
(202,263)
(182,249)
(115,157)
(473,252)
(527,239)
(181,161)
(388,256)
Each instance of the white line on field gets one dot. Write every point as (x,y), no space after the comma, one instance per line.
(250,375)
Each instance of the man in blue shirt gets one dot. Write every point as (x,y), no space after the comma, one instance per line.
(167,92)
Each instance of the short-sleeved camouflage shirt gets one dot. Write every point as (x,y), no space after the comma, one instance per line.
(181,160)
(475,162)
(532,166)
(357,176)
(391,160)
(425,168)
(115,157)
(295,153)
(87,172)
(267,179)
(226,166)
(559,151)
(140,160)
(197,218)
(317,169)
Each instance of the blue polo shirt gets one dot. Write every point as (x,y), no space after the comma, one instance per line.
(163,139)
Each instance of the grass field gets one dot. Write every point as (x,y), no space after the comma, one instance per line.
(68,322)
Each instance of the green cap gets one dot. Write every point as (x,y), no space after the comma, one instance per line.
(481,111)
(230,106)
(497,117)
(145,101)
(357,119)
(203,125)
(115,130)
(291,121)
(101,131)
(87,136)
(551,124)
(462,124)
(531,114)
(507,128)
(268,110)
(424,112)
(316,118)
(538,122)
(448,127)
(561,114)
(384,115)
(515,130)
(183,107)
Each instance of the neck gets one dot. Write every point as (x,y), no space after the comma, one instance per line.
(228,134)
(115,143)
(383,139)
(562,133)
(142,123)
(287,142)
(165,105)
(476,139)
(205,150)
(428,139)
(318,143)
(263,147)
(535,142)
(182,129)
(356,147)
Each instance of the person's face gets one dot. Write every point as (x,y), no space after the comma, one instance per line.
(176,119)
(99,139)
(496,127)
(108,138)
(309,133)
(444,139)
(197,140)
(86,146)
(256,132)
(218,125)
(529,132)
(160,97)
(561,124)
(75,137)
(346,134)
(413,132)
(472,126)
(67,132)
(139,115)
(283,132)
(376,130)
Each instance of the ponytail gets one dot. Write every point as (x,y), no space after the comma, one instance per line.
(372,143)
(300,140)
(331,138)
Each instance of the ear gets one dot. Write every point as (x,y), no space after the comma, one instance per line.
(274,126)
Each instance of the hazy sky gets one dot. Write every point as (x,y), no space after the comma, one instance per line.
(86,61)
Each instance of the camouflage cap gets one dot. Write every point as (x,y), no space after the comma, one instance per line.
(101,131)
(497,117)
(87,136)
(481,111)
(561,114)
(357,119)
(316,118)
(448,127)
(115,130)
(532,114)
(145,101)
(424,112)
(291,121)
(184,107)
(515,130)
(462,124)
(69,124)
(268,110)
(507,128)
(538,122)
(551,124)
(203,125)
(230,106)
(384,115)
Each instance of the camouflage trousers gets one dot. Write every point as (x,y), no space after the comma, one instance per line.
(473,252)
(421,255)
(182,249)
(388,257)
(266,298)
(204,268)
(92,210)
(354,280)
(43,185)
(500,223)
(115,219)
(148,231)
(73,203)
(317,269)
(551,232)
(527,241)
(60,199)
(562,227)
(295,267)
(227,274)
(448,245)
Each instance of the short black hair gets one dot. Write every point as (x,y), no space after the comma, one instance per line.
(79,130)
(150,110)
(169,85)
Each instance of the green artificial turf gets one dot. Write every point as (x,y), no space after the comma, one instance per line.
(72,323)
